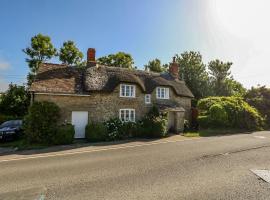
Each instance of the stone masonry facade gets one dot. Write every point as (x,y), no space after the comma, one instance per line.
(102,106)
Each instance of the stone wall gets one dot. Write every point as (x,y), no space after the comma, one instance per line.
(103,106)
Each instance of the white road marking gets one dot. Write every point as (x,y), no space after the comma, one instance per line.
(262,173)
(258,136)
(94,150)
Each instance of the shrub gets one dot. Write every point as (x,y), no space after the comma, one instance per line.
(41,122)
(96,132)
(114,126)
(218,115)
(204,121)
(129,129)
(231,112)
(153,125)
(64,134)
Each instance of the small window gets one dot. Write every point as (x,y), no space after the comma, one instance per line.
(127,115)
(147,98)
(163,93)
(127,90)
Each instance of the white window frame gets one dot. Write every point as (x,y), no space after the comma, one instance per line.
(125,90)
(147,99)
(127,115)
(163,93)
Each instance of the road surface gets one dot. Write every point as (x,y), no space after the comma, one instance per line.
(205,168)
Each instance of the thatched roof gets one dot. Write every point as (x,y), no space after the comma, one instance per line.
(103,78)
(63,79)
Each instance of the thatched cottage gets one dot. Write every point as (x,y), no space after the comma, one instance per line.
(102,92)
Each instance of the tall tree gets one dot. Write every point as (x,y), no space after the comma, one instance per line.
(222,82)
(120,59)
(155,66)
(70,54)
(40,50)
(15,101)
(193,72)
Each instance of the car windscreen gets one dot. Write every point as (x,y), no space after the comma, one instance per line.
(11,123)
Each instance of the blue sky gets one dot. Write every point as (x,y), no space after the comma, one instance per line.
(147,29)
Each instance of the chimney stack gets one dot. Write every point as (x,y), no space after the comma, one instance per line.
(174,69)
(91,57)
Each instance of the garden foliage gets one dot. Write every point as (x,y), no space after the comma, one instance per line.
(231,112)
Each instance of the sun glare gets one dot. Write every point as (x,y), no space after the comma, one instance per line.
(242,18)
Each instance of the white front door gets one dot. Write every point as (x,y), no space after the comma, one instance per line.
(79,120)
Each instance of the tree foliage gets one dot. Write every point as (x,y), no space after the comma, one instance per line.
(70,54)
(15,101)
(120,59)
(222,82)
(155,66)
(193,72)
(259,97)
(40,50)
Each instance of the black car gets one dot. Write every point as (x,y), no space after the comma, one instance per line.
(10,130)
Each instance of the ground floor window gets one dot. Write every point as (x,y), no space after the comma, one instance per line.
(127,115)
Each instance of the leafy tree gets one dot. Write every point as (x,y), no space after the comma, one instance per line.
(41,50)
(155,66)
(70,54)
(260,99)
(15,101)
(222,82)
(193,72)
(120,59)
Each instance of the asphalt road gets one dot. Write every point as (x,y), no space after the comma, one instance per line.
(207,168)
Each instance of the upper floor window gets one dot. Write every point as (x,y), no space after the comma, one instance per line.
(147,99)
(163,93)
(127,90)
(127,115)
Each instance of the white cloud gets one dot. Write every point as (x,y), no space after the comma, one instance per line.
(237,31)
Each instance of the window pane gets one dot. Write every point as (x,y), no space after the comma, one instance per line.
(131,91)
(122,115)
(132,115)
(122,90)
(162,93)
(127,115)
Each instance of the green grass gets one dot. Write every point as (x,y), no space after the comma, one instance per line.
(22,144)
(213,132)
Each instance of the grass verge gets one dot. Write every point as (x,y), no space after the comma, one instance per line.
(213,132)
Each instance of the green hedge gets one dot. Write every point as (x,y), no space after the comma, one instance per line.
(64,134)
(96,132)
(41,122)
(153,127)
(231,112)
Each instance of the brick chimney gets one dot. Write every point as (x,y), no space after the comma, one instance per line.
(174,69)
(91,57)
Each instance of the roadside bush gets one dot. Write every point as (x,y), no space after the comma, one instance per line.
(96,132)
(64,134)
(129,129)
(218,115)
(204,121)
(114,127)
(231,112)
(153,125)
(41,122)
